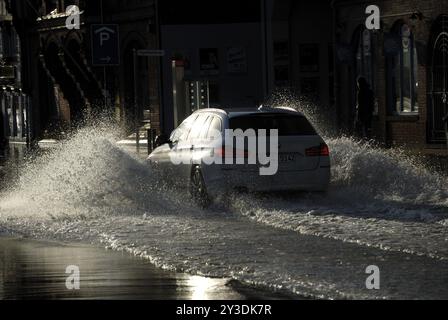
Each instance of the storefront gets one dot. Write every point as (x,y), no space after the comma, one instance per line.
(14,104)
(215,56)
(405,63)
(15,108)
(438,82)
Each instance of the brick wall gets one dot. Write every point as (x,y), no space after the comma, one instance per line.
(389,128)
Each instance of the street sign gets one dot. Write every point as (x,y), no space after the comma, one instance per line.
(151,53)
(105,45)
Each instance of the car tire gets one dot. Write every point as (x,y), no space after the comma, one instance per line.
(198,189)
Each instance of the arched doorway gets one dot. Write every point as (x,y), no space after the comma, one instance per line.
(362,44)
(75,62)
(69,100)
(438,82)
(49,113)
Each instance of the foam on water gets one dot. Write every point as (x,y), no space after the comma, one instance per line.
(377,197)
(387,175)
(85,176)
(88,189)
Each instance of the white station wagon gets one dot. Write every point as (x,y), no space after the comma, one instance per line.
(301,155)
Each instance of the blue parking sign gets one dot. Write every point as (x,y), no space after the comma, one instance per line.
(105,45)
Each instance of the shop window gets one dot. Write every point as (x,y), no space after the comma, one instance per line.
(281,64)
(403,74)
(364,57)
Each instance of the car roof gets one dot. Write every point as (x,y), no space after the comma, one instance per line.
(236,112)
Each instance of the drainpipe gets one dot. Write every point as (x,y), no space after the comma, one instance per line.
(335,67)
(264,45)
(161,59)
(104,68)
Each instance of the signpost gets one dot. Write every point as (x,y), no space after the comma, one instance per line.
(105,45)
(105,49)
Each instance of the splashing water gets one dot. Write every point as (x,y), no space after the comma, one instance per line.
(362,171)
(88,189)
(377,197)
(390,175)
(84,176)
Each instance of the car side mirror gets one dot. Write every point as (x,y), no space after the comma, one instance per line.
(161,140)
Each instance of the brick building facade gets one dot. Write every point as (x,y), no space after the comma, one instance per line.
(58,72)
(406,64)
(405,61)
(14,103)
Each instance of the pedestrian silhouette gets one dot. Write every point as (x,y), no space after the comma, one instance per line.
(364,108)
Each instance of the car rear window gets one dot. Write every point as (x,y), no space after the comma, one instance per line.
(286,124)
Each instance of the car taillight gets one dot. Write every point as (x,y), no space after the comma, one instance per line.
(324,150)
(318,151)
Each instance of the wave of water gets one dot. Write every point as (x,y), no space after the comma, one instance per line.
(88,189)
(389,175)
(85,176)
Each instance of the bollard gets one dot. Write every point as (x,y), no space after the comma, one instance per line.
(151,133)
(445,120)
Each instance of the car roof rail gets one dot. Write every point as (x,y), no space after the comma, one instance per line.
(263,107)
(287,108)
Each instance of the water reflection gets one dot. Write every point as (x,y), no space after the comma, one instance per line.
(202,287)
(34,270)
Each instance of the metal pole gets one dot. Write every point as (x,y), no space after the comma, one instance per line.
(104,68)
(149,137)
(264,49)
(160,70)
(336,69)
(136,108)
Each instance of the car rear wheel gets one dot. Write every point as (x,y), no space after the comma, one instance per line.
(198,189)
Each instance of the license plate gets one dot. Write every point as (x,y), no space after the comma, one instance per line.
(287,158)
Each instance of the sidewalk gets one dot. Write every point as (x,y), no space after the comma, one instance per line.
(130,145)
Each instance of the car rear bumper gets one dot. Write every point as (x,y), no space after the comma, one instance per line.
(252,181)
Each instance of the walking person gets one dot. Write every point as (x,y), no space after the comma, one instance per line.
(364,108)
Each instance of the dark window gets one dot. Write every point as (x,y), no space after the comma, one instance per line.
(281,63)
(213,93)
(309,57)
(10,41)
(287,124)
(209,61)
(402,74)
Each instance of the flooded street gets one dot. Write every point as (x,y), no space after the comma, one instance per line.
(36,270)
(229,150)
(378,212)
